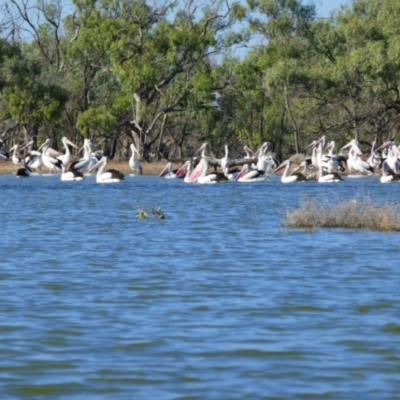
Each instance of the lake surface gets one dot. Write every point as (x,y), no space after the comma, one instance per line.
(218,301)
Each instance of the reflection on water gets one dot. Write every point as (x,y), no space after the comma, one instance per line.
(215,302)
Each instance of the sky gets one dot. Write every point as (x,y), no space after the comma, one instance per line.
(324,7)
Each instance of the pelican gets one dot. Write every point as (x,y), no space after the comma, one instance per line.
(109,176)
(293,177)
(94,158)
(15,158)
(250,175)
(306,166)
(388,175)
(168,173)
(262,163)
(67,157)
(189,169)
(25,171)
(374,159)
(232,174)
(84,162)
(326,177)
(272,163)
(249,152)
(70,175)
(330,162)
(50,162)
(199,174)
(355,162)
(392,156)
(225,162)
(202,149)
(134,163)
(316,144)
(34,157)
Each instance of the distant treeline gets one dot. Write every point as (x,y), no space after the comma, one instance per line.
(168,75)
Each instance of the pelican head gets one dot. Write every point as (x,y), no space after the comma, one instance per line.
(67,141)
(283,165)
(249,152)
(166,170)
(202,148)
(354,145)
(133,149)
(103,161)
(46,143)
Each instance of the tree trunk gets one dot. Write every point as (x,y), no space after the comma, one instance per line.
(293,121)
(160,138)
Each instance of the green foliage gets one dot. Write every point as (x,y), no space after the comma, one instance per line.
(96,118)
(122,66)
(144,212)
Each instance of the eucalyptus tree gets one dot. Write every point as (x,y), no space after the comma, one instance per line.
(356,70)
(25,97)
(284,26)
(36,95)
(160,57)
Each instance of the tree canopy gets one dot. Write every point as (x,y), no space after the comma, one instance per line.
(168,75)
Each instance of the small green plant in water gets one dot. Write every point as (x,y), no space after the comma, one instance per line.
(141,214)
(158,214)
(145,212)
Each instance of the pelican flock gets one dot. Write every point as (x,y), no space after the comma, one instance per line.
(323,165)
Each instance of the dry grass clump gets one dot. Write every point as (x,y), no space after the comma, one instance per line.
(351,214)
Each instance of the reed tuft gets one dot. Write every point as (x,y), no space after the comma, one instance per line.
(350,214)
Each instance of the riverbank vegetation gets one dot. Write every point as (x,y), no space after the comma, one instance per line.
(168,75)
(350,214)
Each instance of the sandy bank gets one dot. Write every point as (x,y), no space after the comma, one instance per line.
(154,168)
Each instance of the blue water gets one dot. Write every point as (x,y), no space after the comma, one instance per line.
(218,301)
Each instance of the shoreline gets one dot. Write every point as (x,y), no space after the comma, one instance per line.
(7,167)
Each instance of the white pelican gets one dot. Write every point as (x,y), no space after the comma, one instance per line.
(325,177)
(202,149)
(392,157)
(306,166)
(15,158)
(232,174)
(169,173)
(134,163)
(374,159)
(293,177)
(34,157)
(262,163)
(70,175)
(109,176)
(316,144)
(199,175)
(189,169)
(388,175)
(25,171)
(84,162)
(67,157)
(355,162)
(248,175)
(50,162)
(225,162)
(272,164)
(330,161)
(249,152)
